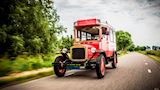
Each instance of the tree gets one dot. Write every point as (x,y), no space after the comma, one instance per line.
(66,42)
(123,40)
(131,47)
(148,47)
(140,48)
(28,26)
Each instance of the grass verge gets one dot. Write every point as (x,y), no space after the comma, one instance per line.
(121,53)
(24,76)
(153,56)
(23,63)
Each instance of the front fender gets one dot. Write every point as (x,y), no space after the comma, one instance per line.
(65,55)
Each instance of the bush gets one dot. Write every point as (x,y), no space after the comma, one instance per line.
(48,59)
(20,64)
(119,53)
(17,45)
(25,63)
(153,52)
(5,67)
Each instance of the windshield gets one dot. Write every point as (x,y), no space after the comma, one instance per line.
(88,33)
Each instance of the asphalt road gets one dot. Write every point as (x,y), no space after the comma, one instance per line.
(135,72)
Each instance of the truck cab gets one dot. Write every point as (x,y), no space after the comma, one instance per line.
(94,46)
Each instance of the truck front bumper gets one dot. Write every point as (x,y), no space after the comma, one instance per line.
(69,64)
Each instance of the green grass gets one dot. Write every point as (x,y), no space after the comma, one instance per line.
(121,53)
(24,78)
(155,58)
(154,54)
(25,63)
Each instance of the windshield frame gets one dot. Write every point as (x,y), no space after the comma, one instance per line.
(78,34)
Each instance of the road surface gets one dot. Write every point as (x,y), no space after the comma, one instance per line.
(135,72)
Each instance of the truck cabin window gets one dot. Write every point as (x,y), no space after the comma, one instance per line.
(104,33)
(88,33)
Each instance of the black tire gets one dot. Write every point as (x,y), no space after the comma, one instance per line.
(114,61)
(100,66)
(58,69)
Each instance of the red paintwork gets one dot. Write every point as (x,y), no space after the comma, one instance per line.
(89,45)
(102,44)
(88,22)
(102,66)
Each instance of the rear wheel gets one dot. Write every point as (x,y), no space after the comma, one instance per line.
(114,61)
(100,66)
(59,67)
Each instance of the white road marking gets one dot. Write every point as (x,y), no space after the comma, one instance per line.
(146,63)
(149,70)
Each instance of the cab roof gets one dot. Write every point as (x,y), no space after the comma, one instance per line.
(87,22)
(90,22)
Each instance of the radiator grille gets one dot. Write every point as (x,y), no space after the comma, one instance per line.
(78,53)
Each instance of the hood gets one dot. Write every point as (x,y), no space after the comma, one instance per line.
(88,45)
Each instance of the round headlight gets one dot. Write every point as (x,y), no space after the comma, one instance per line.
(93,50)
(64,50)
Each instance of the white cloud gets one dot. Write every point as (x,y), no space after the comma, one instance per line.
(139,17)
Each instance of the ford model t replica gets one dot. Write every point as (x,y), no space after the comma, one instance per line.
(94,47)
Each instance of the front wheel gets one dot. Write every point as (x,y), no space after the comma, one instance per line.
(100,66)
(59,67)
(114,61)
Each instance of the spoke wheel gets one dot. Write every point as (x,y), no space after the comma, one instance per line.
(114,62)
(59,67)
(100,66)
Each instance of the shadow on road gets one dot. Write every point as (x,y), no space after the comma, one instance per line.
(82,74)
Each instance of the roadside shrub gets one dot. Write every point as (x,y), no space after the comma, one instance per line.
(119,53)
(20,64)
(17,45)
(25,63)
(48,57)
(36,65)
(5,67)
(35,62)
(153,52)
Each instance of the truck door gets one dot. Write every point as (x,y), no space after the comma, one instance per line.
(104,40)
(112,43)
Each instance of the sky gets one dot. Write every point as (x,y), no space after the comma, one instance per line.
(141,18)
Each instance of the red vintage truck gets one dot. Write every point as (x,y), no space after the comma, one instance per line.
(94,47)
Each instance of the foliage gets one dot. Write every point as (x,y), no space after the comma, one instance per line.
(28,26)
(120,53)
(17,44)
(131,47)
(66,42)
(28,33)
(5,67)
(24,63)
(153,52)
(123,40)
(155,47)
(140,48)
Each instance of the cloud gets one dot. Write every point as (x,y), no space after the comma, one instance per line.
(135,16)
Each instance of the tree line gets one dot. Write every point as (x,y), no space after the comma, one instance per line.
(125,43)
(28,26)
(32,26)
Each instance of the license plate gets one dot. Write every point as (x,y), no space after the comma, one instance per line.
(72,67)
